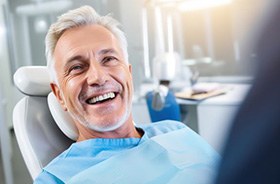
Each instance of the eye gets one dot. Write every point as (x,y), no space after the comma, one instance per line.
(76,68)
(108,59)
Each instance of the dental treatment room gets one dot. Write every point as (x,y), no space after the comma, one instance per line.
(131,78)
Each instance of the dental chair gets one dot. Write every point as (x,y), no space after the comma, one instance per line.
(43,130)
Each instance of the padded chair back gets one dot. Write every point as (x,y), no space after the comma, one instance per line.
(39,138)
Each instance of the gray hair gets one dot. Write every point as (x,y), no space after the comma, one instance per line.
(82,16)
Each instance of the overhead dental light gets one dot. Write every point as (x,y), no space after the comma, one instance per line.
(192,5)
(40,25)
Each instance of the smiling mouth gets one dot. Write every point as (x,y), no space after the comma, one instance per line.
(101,98)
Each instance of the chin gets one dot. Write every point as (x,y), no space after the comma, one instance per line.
(104,127)
(107,128)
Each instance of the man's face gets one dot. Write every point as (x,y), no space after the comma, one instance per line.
(95,83)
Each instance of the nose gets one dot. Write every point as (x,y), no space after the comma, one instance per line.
(96,74)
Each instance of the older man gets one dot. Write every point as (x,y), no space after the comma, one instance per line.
(91,78)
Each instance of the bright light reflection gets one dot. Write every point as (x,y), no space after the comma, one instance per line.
(193,5)
(170,34)
(2,30)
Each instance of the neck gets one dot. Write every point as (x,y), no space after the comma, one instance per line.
(127,130)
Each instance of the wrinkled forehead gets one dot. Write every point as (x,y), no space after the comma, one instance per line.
(86,36)
(90,38)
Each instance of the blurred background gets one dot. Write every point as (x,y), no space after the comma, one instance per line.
(211,39)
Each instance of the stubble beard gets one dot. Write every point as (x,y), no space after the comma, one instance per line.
(108,126)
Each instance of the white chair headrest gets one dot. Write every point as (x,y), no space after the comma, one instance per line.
(62,118)
(35,81)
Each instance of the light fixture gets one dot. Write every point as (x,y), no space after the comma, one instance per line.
(41,25)
(44,7)
(192,5)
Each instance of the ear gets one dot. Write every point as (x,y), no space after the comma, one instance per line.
(58,94)
(130,68)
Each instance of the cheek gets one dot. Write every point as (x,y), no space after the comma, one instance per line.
(71,84)
(71,88)
(125,77)
(130,82)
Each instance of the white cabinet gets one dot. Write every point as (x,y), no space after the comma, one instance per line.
(214,122)
(214,115)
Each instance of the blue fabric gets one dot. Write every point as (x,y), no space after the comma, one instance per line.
(154,158)
(170,111)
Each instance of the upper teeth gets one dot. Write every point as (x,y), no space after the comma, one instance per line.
(102,97)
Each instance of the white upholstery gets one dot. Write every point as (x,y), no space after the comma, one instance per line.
(62,118)
(33,80)
(38,136)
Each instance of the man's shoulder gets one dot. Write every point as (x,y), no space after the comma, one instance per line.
(61,156)
(162,127)
(48,170)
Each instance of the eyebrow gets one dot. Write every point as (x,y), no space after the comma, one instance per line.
(73,58)
(106,51)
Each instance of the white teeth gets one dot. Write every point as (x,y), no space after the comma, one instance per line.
(101,97)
